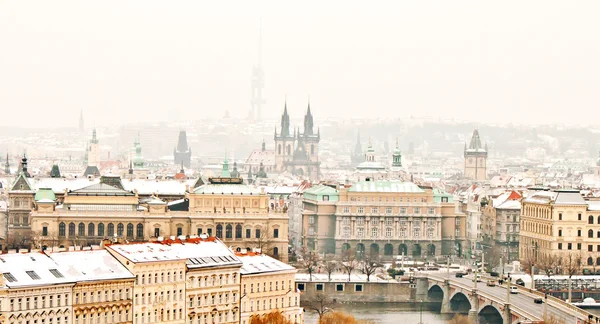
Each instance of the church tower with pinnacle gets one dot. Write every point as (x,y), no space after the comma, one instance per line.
(475,159)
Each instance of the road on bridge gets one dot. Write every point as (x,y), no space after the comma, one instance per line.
(523,300)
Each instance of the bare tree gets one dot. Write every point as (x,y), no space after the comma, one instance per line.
(552,319)
(265,242)
(572,264)
(349,262)
(370,265)
(19,239)
(492,258)
(39,240)
(309,261)
(549,262)
(321,304)
(329,265)
(459,319)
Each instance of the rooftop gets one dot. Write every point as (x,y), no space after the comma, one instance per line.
(32,269)
(91,265)
(235,189)
(260,263)
(385,186)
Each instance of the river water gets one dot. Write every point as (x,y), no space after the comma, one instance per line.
(387,313)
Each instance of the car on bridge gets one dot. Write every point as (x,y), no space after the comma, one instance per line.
(491,283)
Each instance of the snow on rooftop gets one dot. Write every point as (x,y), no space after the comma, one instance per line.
(32,269)
(91,265)
(260,263)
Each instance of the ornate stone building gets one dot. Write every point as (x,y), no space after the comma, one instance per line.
(21,201)
(382,218)
(476,159)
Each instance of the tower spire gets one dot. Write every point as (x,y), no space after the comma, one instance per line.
(7,166)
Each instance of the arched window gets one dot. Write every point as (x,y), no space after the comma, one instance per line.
(120,229)
(590,261)
(219,233)
(140,231)
(597,261)
(130,230)
(101,229)
(591,220)
(590,233)
(238,231)
(111,229)
(62,229)
(275,251)
(81,229)
(279,149)
(228,231)
(71,229)
(289,149)
(91,229)
(312,149)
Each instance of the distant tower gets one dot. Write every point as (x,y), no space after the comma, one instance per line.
(258,83)
(284,142)
(370,154)
(138,160)
(475,159)
(93,154)
(182,153)
(397,157)
(55,171)
(310,139)
(357,156)
(24,166)
(7,166)
(81,125)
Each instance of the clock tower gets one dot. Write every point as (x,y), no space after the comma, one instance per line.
(476,159)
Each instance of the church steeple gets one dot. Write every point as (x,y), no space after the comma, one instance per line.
(94,138)
(264,146)
(397,156)
(285,122)
(7,166)
(24,166)
(308,122)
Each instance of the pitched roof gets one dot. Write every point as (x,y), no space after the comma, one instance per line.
(32,269)
(91,265)
(255,264)
(100,189)
(45,194)
(21,183)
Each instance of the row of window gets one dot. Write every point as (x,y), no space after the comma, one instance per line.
(388,232)
(389,210)
(388,199)
(159,316)
(213,280)
(228,232)
(27,303)
(91,230)
(98,318)
(277,302)
(321,287)
(50,320)
(212,299)
(163,275)
(389,221)
(158,298)
(114,294)
(270,286)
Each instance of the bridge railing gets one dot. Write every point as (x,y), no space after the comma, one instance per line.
(560,303)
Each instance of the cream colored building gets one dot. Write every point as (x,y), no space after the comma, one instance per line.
(34,289)
(227,208)
(382,218)
(159,291)
(268,285)
(103,290)
(560,222)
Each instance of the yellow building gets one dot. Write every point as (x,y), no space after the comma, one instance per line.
(476,159)
(226,208)
(382,218)
(103,290)
(268,285)
(35,290)
(560,222)
(159,290)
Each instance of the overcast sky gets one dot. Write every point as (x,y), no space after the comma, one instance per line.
(122,61)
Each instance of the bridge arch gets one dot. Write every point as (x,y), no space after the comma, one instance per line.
(460,303)
(489,314)
(435,294)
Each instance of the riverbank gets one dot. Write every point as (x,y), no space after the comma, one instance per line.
(388,313)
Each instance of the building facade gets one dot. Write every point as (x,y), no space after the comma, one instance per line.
(268,285)
(475,159)
(382,218)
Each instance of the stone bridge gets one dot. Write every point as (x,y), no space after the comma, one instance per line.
(492,304)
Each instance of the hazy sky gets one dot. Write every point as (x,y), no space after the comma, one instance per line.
(121,61)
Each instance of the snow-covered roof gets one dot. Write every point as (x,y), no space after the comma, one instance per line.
(197,252)
(385,186)
(32,269)
(267,157)
(510,204)
(260,263)
(91,265)
(159,187)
